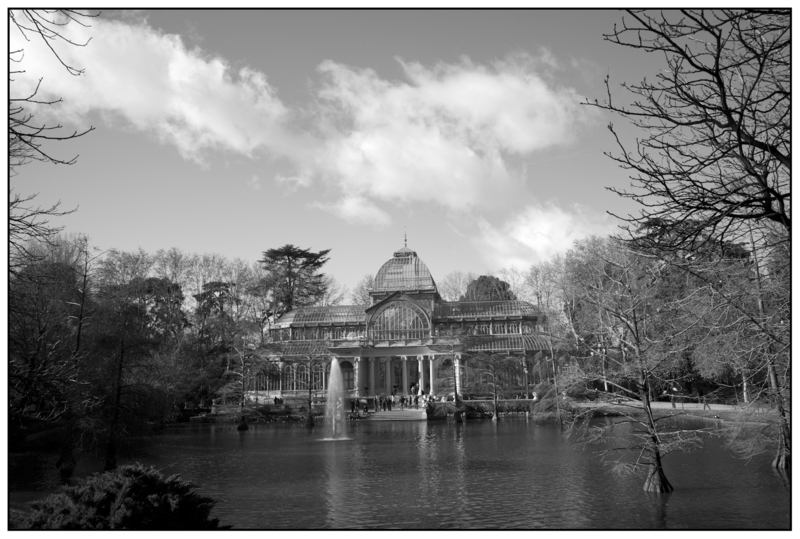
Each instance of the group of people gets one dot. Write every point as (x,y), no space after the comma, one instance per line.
(356,405)
(387,403)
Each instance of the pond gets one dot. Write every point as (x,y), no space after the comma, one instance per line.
(444,475)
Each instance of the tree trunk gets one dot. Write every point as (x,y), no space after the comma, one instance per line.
(66,460)
(80,319)
(745,396)
(310,416)
(111,448)
(783,457)
(656,479)
(555,385)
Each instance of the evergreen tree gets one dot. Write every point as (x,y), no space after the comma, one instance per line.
(296,276)
(488,288)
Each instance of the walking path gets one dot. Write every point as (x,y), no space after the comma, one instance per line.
(662,405)
(710,411)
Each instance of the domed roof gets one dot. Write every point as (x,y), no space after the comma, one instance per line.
(404,271)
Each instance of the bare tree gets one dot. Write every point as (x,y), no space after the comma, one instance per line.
(518,280)
(714,167)
(717,122)
(489,372)
(27,221)
(360,294)
(26,135)
(335,292)
(175,265)
(541,280)
(204,269)
(623,289)
(47,309)
(28,225)
(260,300)
(454,285)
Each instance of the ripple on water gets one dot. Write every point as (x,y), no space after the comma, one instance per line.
(443,475)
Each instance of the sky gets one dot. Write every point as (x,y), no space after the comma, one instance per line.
(238,131)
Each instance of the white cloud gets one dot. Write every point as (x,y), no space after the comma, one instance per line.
(444,136)
(356,210)
(254,183)
(295,181)
(154,83)
(538,233)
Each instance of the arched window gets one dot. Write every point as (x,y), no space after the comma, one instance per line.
(287,382)
(347,375)
(399,320)
(302,377)
(273,375)
(319,374)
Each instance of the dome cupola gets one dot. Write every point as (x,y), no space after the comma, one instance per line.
(404,271)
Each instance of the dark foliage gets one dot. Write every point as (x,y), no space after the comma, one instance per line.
(488,288)
(130,498)
(295,274)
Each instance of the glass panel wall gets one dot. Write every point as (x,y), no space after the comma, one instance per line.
(399,321)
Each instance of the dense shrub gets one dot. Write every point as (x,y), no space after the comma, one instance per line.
(131,497)
(479,409)
(515,406)
(440,410)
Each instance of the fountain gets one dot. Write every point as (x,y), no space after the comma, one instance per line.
(335,424)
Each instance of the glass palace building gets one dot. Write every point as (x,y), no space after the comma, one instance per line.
(408,341)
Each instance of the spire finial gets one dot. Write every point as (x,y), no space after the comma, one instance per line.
(405,238)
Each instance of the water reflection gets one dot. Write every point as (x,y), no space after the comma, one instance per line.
(336,499)
(458,488)
(785,477)
(658,503)
(513,474)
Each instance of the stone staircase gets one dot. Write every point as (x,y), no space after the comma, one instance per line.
(399,415)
